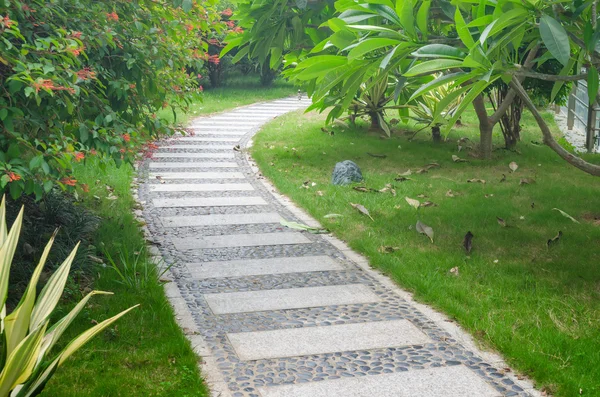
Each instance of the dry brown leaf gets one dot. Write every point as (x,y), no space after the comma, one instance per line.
(457,159)
(554,240)
(402,179)
(406,173)
(454,271)
(527,181)
(501,221)
(450,193)
(503,178)
(428,204)
(319,193)
(413,203)
(424,229)
(468,242)
(360,208)
(513,166)
(421,196)
(476,181)
(387,249)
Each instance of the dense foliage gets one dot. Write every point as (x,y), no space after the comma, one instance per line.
(85,78)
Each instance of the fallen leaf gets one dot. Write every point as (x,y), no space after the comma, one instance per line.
(527,181)
(454,271)
(421,196)
(513,166)
(503,178)
(379,156)
(157,177)
(450,193)
(319,193)
(468,242)
(406,173)
(402,179)
(386,249)
(476,181)
(432,165)
(428,204)
(565,215)
(501,221)
(394,121)
(237,148)
(360,208)
(532,205)
(328,216)
(554,240)
(424,229)
(488,195)
(388,188)
(303,227)
(457,159)
(413,203)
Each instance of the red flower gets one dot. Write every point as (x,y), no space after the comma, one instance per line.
(131,86)
(227,12)
(85,187)
(69,181)
(213,41)
(126,137)
(200,88)
(86,74)
(7,22)
(214,59)
(189,28)
(112,16)
(75,51)
(230,24)
(79,156)
(12,176)
(199,76)
(237,29)
(76,35)
(93,152)
(122,150)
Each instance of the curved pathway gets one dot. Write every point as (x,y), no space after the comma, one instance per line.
(276,312)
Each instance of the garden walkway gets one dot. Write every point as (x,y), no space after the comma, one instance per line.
(276,312)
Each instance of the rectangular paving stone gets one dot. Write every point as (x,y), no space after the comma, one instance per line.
(282,299)
(196,164)
(199,131)
(256,267)
(179,155)
(221,219)
(191,138)
(240,240)
(209,202)
(196,175)
(192,146)
(293,342)
(201,187)
(454,381)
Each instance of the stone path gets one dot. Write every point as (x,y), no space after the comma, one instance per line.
(277,312)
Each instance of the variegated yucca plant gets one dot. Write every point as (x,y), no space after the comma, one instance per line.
(26,335)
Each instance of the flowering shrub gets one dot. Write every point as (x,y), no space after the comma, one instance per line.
(85,78)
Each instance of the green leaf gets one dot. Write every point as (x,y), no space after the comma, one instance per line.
(463,30)
(438,51)
(555,39)
(592,84)
(422,17)
(405,11)
(187,5)
(433,66)
(3,113)
(370,45)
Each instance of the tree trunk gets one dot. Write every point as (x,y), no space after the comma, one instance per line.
(436,134)
(375,126)
(485,128)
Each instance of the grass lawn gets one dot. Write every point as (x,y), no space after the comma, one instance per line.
(144,353)
(538,306)
(239,91)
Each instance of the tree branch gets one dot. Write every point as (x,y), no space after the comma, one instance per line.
(577,162)
(549,77)
(510,95)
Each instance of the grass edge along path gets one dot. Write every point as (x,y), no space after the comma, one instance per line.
(146,352)
(538,306)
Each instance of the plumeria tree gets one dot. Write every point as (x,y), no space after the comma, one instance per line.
(84,79)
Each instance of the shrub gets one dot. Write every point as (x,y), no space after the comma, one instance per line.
(27,338)
(84,78)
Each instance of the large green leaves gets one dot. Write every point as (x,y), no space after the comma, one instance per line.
(436,65)
(592,84)
(555,38)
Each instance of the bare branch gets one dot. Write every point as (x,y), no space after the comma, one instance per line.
(550,77)
(549,140)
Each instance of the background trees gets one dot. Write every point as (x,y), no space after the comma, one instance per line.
(83,79)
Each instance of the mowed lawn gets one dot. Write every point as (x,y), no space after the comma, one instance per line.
(538,305)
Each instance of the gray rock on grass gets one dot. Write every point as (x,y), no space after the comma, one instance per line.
(346,172)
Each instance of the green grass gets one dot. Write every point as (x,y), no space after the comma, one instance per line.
(144,353)
(539,307)
(239,91)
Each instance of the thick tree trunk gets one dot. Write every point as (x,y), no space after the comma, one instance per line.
(375,126)
(436,134)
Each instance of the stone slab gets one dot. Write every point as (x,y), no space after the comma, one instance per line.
(200,130)
(189,138)
(454,381)
(224,155)
(294,342)
(201,187)
(196,175)
(221,219)
(191,146)
(240,240)
(256,267)
(197,164)
(292,298)
(209,202)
